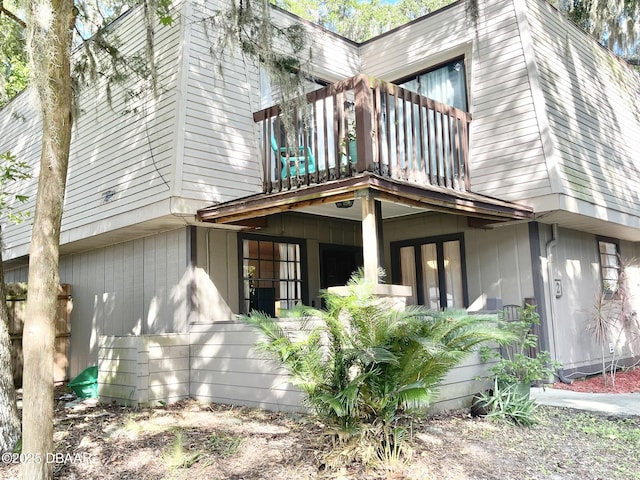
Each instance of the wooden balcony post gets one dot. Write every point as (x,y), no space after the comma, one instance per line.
(371,237)
(364,125)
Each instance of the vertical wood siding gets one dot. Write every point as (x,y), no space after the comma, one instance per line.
(216,278)
(576,263)
(130,288)
(498,260)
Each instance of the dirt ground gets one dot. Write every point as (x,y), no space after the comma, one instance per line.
(193,441)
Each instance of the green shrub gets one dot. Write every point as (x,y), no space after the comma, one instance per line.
(507,403)
(516,366)
(365,368)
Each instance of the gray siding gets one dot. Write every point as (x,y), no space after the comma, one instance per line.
(221,159)
(575,262)
(498,261)
(507,156)
(131,288)
(225,368)
(217,259)
(419,45)
(126,147)
(592,106)
(143,370)
(21,129)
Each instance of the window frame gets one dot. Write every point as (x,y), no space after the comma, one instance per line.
(609,293)
(432,68)
(302,244)
(439,240)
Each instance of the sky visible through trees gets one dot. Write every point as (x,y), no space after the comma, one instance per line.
(615,23)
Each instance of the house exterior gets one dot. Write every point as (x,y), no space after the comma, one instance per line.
(493,163)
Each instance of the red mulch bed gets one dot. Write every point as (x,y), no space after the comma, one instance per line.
(625,382)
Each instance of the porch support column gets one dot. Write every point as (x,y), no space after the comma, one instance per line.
(371,237)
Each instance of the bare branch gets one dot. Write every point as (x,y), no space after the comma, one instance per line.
(10,14)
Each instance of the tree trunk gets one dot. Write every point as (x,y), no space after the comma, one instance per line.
(49,48)
(9,420)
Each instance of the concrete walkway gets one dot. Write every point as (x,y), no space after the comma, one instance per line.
(610,403)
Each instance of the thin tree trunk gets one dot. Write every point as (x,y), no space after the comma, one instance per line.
(9,419)
(50,50)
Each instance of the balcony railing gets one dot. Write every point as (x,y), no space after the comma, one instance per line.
(362,124)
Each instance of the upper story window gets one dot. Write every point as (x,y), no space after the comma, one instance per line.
(609,264)
(446,83)
(271,275)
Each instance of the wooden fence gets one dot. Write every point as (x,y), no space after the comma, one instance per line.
(16,306)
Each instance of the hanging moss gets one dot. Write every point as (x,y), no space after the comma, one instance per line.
(247,27)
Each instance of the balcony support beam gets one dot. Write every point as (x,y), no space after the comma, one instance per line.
(371,236)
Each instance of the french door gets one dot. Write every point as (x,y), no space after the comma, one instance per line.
(434,268)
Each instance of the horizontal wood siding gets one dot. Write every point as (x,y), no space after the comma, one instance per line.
(21,128)
(122,141)
(507,158)
(125,145)
(593,112)
(416,46)
(504,132)
(143,370)
(460,384)
(221,148)
(225,368)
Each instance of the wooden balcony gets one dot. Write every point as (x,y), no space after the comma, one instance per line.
(362,124)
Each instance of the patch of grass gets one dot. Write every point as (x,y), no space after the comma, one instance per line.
(136,424)
(132,426)
(175,456)
(624,430)
(223,444)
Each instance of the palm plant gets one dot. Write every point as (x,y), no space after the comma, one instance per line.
(364,367)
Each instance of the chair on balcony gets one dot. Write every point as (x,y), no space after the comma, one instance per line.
(295,162)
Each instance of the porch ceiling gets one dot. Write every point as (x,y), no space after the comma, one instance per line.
(398,199)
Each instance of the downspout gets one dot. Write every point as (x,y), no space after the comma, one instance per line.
(552,308)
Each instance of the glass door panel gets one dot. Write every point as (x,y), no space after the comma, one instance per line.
(453,274)
(408,272)
(430,284)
